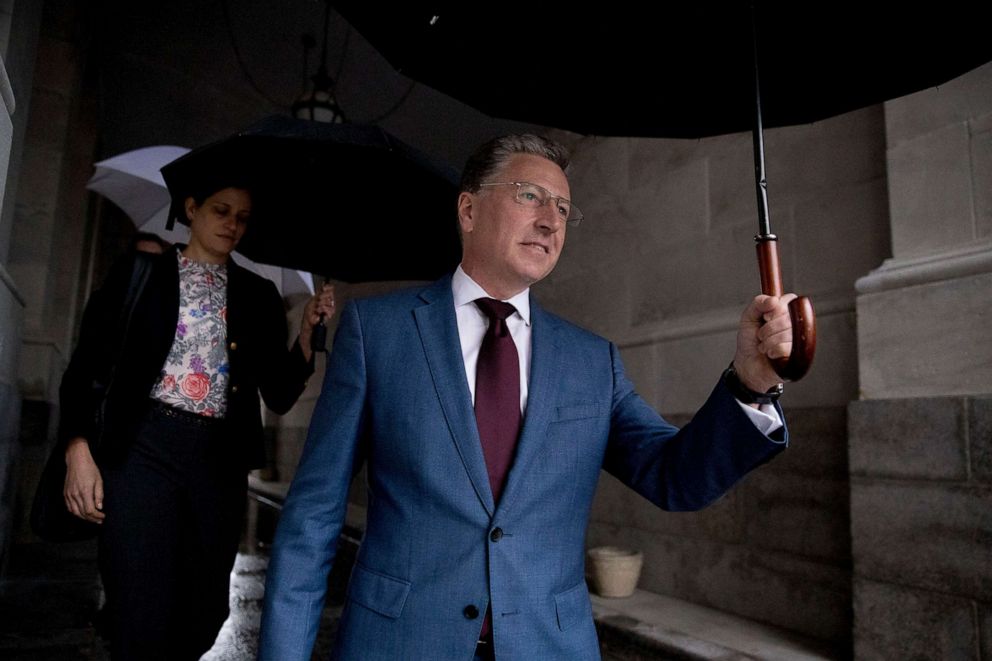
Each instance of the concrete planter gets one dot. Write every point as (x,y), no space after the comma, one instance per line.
(612,571)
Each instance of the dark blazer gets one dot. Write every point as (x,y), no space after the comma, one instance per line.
(438,549)
(256,336)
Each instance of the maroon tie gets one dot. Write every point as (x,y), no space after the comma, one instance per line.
(497,393)
(497,402)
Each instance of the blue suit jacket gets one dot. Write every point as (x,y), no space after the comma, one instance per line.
(395,395)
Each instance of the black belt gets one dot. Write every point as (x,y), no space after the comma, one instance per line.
(161,408)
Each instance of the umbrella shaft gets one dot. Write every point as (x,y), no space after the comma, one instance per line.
(760,182)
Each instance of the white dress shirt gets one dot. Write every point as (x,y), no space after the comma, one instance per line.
(472,325)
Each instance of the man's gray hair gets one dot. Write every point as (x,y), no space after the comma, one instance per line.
(491,156)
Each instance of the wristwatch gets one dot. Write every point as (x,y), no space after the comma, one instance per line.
(744,394)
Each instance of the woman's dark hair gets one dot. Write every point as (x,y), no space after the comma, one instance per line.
(205,184)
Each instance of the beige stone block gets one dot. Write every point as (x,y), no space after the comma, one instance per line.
(695,278)
(607,245)
(926,340)
(832,379)
(731,182)
(600,187)
(49,121)
(651,159)
(672,208)
(817,444)
(798,514)
(40,368)
(288,450)
(690,367)
(595,299)
(37,199)
(981,123)
(31,280)
(598,164)
(929,110)
(895,622)
(10,334)
(910,438)
(980,438)
(932,536)
(981,175)
(930,192)
(838,238)
(843,150)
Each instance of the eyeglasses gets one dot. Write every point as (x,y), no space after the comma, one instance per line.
(534,196)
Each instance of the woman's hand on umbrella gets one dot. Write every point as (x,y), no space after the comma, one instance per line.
(765,333)
(83,483)
(320,307)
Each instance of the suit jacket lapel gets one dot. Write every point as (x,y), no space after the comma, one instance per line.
(439,334)
(542,390)
(161,295)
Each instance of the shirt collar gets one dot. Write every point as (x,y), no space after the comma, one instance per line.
(465,290)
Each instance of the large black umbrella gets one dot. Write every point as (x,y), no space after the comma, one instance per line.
(346,201)
(681,70)
(674,69)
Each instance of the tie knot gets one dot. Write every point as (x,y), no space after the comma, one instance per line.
(495,310)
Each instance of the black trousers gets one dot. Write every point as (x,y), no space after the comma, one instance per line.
(174,511)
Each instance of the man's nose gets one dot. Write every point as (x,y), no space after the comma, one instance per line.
(549,219)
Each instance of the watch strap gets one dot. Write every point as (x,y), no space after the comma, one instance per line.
(744,394)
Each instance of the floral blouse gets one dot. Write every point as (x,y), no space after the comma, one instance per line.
(195,375)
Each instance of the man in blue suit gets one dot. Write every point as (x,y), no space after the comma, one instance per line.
(477,513)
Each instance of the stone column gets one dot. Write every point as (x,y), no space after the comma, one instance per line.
(11,309)
(920,446)
(47,225)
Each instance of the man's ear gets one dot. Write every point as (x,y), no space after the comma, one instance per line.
(466,211)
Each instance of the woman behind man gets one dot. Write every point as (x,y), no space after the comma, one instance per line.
(181,425)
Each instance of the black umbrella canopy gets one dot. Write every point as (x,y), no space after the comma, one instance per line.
(346,201)
(681,70)
(678,70)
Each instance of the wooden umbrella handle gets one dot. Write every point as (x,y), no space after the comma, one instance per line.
(797,364)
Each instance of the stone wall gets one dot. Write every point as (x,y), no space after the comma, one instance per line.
(663,266)
(920,439)
(47,220)
(921,489)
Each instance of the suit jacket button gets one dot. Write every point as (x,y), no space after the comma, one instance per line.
(234,389)
(496,534)
(470,612)
(233,346)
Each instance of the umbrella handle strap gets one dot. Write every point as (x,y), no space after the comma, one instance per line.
(801,312)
